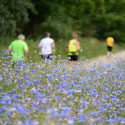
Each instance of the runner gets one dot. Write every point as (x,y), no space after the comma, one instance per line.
(18,48)
(110,43)
(73,47)
(47,46)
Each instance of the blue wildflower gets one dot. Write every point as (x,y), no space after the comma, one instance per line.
(111,120)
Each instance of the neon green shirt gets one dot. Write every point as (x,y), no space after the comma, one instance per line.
(18,47)
(72,47)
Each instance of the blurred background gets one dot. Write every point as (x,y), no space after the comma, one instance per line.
(93,20)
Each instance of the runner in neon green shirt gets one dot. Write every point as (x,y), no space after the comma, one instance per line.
(73,47)
(18,48)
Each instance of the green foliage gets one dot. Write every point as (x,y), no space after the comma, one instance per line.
(112,21)
(14,16)
(60,27)
(98,18)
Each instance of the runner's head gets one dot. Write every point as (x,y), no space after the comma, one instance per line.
(75,36)
(47,34)
(21,37)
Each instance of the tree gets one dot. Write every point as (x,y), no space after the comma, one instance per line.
(112,20)
(98,18)
(14,16)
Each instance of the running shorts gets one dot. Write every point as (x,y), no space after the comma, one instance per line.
(49,56)
(73,57)
(109,48)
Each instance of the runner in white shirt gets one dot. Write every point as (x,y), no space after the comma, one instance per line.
(47,46)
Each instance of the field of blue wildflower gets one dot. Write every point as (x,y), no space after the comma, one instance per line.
(52,93)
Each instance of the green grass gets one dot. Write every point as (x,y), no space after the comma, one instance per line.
(92,47)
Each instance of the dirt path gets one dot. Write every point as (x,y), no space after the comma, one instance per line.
(105,60)
(95,62)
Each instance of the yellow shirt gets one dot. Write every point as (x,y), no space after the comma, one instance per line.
(110,41)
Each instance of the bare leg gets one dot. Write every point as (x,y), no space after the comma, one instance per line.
(109,54)
(74,63)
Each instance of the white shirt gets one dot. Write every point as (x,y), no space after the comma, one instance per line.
(46,46)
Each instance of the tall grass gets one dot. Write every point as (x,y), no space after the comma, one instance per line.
(92,47)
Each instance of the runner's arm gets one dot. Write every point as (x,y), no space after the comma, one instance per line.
(53,47)
(67,46)
(26,52)
(39,46)
(9,50)
(78,45)
(113,41)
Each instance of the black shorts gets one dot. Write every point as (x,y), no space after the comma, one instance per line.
(49,56)
(109,48)
(73,58)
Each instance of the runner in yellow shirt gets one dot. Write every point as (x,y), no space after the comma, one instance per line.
(110,43)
